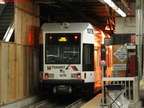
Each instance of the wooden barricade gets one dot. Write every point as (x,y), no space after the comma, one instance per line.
(26,21)
(3,72)
(11,71)
(19,59)
(18,71)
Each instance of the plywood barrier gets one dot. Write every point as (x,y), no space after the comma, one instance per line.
(3,72)
(26,21)
(25,70)
(11,71)
(19,59)
(18,71)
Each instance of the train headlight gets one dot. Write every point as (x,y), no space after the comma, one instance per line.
(73,75)
(65,25)
(51,75)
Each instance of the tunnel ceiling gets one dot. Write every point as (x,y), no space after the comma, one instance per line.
(93,11)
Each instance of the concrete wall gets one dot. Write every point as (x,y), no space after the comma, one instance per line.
(126,25)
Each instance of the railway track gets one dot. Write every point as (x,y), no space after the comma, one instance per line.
(60,102)
(76,104)
(47,104)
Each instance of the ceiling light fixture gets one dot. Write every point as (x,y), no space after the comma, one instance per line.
(113,6)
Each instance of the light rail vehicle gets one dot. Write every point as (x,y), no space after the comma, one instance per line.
(67,53)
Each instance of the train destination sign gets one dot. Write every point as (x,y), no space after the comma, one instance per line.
(121,54)
(62,39)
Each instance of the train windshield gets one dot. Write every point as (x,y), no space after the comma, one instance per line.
(62,48)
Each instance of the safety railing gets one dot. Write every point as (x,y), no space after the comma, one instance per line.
(131,86)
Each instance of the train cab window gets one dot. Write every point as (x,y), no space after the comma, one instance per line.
(62,48)
(88,57)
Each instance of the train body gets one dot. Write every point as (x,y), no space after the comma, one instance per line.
(68,57)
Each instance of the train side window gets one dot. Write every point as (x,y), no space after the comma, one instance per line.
(88,57)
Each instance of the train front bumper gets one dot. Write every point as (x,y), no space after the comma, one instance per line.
(64,81)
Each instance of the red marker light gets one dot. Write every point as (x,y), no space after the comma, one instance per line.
(78,75)
(50,37)
(75,37)
(46,75)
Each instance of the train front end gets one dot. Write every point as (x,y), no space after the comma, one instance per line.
(68,57)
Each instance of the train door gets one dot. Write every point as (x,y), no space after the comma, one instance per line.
(88,57)
(88,66)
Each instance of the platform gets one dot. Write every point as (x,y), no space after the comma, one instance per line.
(93,103)
(96,103)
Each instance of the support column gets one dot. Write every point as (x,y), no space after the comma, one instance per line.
(139,42)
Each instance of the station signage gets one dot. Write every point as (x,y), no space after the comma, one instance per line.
(119,67)
(121,54)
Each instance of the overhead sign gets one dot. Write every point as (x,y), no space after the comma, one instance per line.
(108,41)
(121,54)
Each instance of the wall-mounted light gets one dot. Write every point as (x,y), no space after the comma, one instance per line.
(110,25)
(113,6)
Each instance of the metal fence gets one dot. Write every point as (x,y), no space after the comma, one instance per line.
(131,86)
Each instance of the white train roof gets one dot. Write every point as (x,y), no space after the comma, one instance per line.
(73,27)
(85,28)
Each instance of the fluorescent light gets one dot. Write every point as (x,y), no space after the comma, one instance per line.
(113,6)
(107,1)
(120,12)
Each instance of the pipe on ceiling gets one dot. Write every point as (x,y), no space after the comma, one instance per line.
(127,6)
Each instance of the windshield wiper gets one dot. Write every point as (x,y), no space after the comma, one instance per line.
(74,57)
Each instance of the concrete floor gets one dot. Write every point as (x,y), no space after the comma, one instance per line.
(96,103)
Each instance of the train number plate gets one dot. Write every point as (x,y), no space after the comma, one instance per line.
(62,75)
